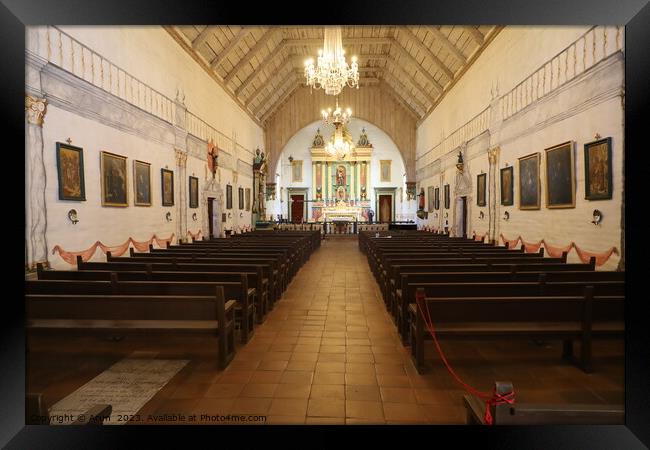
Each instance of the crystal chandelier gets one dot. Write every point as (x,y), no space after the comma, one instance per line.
(332,73)
(337,116)
(340,144)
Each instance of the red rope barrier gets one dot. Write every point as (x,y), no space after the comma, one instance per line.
(490,399)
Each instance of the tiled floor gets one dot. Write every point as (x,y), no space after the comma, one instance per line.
(328,353)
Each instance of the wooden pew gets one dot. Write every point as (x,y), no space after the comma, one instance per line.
(54,315)
(541,414)
(566,318)
(237,290)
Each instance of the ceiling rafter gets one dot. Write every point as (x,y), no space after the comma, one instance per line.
(411,80)
(266,82)
(290,77)
(475,34)
(446,43)
(202,37)
(261,43)
(402,52)
(255,73)
(386,87)
(428,53)
(223,54)
(403,90)
(270,111)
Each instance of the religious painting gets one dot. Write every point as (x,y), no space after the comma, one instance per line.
(70,166)
(529,186)
(447,199)
(248,199)
(167,187)
(436,201)
(142,183)
(228,196)
(114,187)
(481,181)
(240,197)
(384,170)
(431,202)
(507,186)
(340,193)
(560,176)
(340,176)
(598,169)
(296,171)
(194,192)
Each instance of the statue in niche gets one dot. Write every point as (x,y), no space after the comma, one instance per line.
(340,176)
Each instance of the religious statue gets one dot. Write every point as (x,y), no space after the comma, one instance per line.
(340,176)
(318,140)
(459,164)
(421,200)
(213,155)
(363,139)
(363,192)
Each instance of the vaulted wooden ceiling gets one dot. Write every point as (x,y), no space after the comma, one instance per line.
(261,66)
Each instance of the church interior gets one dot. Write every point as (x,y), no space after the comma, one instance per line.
(341,225)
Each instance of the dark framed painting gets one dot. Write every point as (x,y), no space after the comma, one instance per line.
(141,183)
(436,201)
(223,217)
(447,199)
(560,176)
(240,197)
(507,191)
(167,187)
(70,167)
(248,199)
(481,182)
(194,192)
(431,198)
(228,196)
(598,169)
(114,187)
(529,185)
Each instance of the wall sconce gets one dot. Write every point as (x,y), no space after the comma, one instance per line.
(194,217)
(241,214)
(168,216)
(290,159)
(72,215)
(598,217)
(481,215)
(506,215)
(446,215)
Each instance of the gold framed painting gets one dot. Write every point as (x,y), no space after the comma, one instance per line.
(529,185)
(296,171)
(167,186)
(598,169)
(114,182)
(384,170)
(560,176)
(70,168)
(481,181)
(141,183)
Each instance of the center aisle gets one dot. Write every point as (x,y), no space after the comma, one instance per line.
(328,353)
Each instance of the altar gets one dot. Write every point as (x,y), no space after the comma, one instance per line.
(342,212)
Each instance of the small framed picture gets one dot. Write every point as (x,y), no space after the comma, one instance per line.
(142,183)
(194,192)
(529,185)
(480,189)
(447,198)
(506,177)
(431,199)
(228,196)
(114,187)
(70,167)
(248,199)
(598,169)
(167,183)
(437,199)
(240,197)
(560,176)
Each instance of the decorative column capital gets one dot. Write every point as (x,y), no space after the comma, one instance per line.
(181,157)
(35,108)
(493,154)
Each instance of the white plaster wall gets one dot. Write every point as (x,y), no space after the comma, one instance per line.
(383,149)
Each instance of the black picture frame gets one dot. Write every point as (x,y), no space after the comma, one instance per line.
(481,185)
(598,173)
(194,192)
(167,187)
(560,176)
(228,196)
(436,202)
(114,179)
(70,172)
(240,197)
(447,197)
(141,183)
(529,182)
(506,185)
(431,199)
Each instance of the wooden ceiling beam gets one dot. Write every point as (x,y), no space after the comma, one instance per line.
(266,82)
(282,86)
(428,53)
(255,73)
(398,68)
(261,43)
(387,88)
(403,90)
(269,112)
(221,57)
(446,43)
(406,55)
(202,37)
(475,34)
